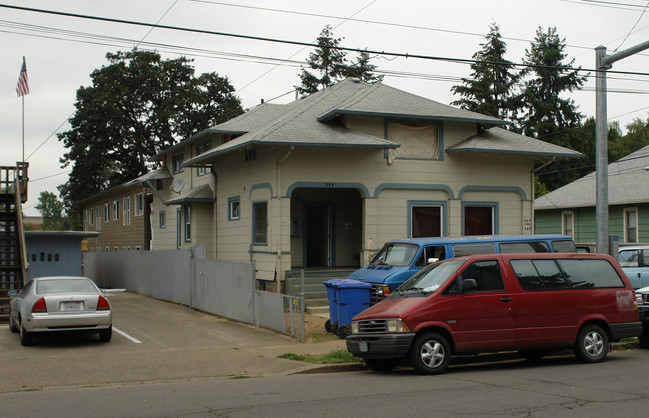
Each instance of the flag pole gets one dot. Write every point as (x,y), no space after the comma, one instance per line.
(23,103)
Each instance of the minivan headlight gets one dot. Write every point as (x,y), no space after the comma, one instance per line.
(396,325)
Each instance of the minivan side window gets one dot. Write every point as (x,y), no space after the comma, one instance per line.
(590,273)
(486,275)
(524,247)
(538,274)
(473,249)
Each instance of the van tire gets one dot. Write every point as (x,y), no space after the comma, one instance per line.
(382,365)
(592,344)
(430,353)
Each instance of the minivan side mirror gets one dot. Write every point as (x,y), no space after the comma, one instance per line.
(468,284)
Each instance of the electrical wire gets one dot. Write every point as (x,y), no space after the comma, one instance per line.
(308,44)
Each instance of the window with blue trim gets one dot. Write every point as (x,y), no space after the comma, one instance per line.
(478,220)
(260,223)
(426,221)
(234,208)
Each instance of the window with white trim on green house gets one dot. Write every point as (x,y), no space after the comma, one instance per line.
(630,224)
(568,224)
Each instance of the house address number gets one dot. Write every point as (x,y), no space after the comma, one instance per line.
(330,184)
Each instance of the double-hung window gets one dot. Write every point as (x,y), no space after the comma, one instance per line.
(188,223)
(116,210)
(630,225)
(479,219)
(126,207)
(139,204)
(234,208)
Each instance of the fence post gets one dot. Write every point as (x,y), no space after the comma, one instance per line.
(254,292)
(302,303)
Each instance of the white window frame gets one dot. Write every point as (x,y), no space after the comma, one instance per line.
(565,228)
(91,216)
(234,208)
(139,204)
(200,149)
(187,213)
(176,160)
(126,208)
(116,210)
(106,212)
(634,212)
(162,218)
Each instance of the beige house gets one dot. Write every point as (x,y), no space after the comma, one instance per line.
(324,181)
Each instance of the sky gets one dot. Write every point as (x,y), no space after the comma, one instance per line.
(62,51)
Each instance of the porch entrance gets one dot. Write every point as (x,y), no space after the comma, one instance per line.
(326,228)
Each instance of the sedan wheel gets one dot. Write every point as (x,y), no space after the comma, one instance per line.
(12,326)
(25,337)
(430,353)
(592,344)
(105,334)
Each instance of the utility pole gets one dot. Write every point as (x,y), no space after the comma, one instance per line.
(604,62)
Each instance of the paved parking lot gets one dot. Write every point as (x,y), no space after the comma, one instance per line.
(152,341)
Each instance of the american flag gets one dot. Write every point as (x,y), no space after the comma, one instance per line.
(22,88)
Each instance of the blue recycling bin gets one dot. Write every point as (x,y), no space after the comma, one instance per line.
(332,324)
(352,297)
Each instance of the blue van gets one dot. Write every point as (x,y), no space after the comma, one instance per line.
(398,260)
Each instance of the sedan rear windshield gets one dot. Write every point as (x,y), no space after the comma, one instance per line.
(65,286)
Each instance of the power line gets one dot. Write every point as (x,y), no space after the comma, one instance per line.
(634,25)
(308,44)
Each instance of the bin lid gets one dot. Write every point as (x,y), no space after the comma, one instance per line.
(332,282)
(352,284)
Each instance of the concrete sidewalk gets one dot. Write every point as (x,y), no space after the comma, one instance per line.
(154,341)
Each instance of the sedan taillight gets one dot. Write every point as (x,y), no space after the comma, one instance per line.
(102,304)
(39,306)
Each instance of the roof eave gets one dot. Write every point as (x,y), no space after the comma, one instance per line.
(338,112)
(536,154)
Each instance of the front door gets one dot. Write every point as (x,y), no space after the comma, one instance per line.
(318,227)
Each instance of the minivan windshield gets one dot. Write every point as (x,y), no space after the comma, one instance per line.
(396,254)
(430,278)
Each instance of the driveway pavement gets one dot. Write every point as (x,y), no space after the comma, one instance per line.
(153,341)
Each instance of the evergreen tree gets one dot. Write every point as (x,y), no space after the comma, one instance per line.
(330,65)
(327,60)
(137,105)
(363,69)
(548,116)
(490,87)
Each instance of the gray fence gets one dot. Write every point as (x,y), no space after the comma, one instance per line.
(224,288)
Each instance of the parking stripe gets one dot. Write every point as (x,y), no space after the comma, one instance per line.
(122,333)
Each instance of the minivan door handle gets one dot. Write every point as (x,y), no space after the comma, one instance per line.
(505,299)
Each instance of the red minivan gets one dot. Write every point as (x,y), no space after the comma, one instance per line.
(499,302)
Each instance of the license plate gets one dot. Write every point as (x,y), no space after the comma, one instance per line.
(70,306)
(362,346)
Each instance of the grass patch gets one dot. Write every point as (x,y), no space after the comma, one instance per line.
(332,357)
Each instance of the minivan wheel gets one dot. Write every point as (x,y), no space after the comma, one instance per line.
(430,353)
(382,365)
(592,344)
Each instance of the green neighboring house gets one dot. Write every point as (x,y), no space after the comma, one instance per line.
(571,209)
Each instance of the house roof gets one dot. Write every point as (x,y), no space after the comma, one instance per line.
(313,121)
(161,173)
(253,118)
(200,194)
(628,182)
(379,99)
(500,140)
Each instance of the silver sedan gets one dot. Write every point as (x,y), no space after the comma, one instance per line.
(60,303)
